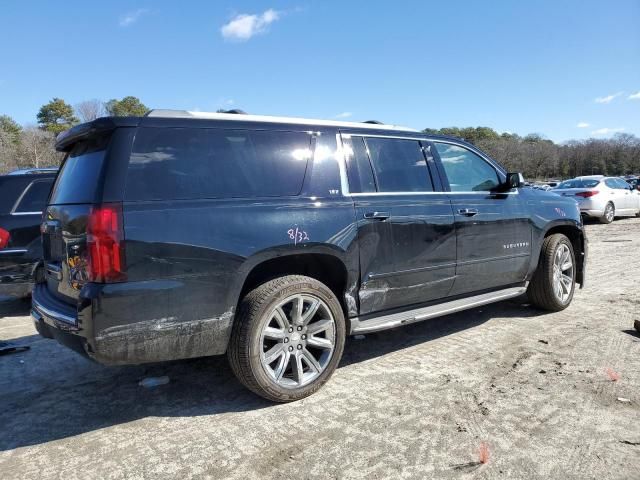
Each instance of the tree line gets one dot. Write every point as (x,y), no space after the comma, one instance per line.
(533,155)
(540,158)
(33,145)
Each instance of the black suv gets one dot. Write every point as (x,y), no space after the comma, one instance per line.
(184,234)
(23,197)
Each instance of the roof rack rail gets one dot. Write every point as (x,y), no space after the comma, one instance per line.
(236,111)
(240,115)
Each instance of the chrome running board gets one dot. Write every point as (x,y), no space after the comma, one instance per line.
(402,318)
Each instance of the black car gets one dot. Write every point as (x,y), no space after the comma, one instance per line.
(182,234)
(23,197)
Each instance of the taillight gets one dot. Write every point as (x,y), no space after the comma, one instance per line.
(4,238)
(588,194)
(105,243)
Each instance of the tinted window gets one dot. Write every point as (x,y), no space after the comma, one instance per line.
(399,165)
(466,171)
(10,190)
(178,163)
(78,179)
(35,198)
(359,168)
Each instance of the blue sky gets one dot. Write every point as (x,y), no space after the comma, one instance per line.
(544,66)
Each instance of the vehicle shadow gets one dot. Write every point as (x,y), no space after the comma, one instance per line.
(14,307)
(49,392)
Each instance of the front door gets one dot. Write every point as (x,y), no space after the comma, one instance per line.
(493,229)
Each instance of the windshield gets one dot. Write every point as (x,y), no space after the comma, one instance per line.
(578,183)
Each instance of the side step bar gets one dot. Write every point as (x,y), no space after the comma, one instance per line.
(396,319)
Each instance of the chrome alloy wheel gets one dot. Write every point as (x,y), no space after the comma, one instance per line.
(563,273)
(298,339)
(609,213)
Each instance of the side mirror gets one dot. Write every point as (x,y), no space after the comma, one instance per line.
(514,180)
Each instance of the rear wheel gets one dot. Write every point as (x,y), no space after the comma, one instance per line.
(609,213)
(553,283)
(287,338)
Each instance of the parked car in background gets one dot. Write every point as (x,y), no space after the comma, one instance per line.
(187,234)
(602,197)
(634,182)
(23,197)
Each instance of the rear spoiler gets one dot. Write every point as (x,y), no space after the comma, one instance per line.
(66,139)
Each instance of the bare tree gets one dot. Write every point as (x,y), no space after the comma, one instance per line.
(90,110)
(37,149)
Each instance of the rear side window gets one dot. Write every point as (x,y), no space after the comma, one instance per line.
(79,176)
(10,190)
(179,163)
(35,197)
(466,171)
(399,165)
(359,168)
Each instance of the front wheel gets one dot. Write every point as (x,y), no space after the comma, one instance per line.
(554,281)
(287,338)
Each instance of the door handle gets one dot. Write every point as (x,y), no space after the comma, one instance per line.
(468,212)
(377,215)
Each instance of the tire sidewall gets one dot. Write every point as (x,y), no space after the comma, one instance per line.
(605,219)
(304,286)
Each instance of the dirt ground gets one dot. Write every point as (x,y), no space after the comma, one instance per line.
(415,402)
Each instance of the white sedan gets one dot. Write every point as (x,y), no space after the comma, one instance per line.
(602,197)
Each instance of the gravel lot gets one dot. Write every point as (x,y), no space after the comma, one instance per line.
(415,402)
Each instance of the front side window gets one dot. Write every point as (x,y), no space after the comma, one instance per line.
(399,165)
(35,197)
(466,171)
(184,163)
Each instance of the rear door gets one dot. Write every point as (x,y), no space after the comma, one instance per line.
(406,232)
(493,229)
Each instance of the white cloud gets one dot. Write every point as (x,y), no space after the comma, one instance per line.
(243,26)
(344,115)
(608,98)
(634,96)
(582,125)
(130,18)
(607,131)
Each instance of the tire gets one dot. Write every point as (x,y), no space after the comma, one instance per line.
(268,327)
(609,213)
(543,290)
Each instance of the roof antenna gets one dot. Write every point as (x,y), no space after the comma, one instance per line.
(236,111)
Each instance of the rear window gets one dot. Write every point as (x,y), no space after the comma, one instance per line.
(179,163)
(578,183)
(79,176)
(35,197)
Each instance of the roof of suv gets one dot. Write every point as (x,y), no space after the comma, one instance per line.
(183,118)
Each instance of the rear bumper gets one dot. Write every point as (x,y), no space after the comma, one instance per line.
(126,323)
(592,212)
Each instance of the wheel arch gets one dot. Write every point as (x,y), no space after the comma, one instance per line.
(575,234)
(325,265)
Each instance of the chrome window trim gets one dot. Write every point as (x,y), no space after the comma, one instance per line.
(341,157)
(27,213)
(13,250)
